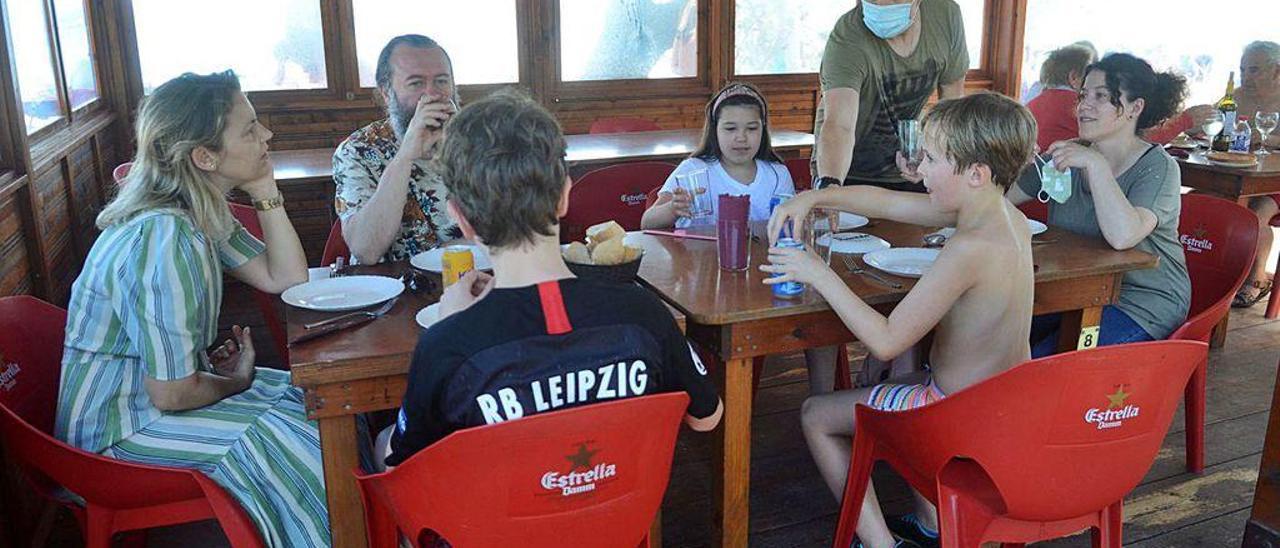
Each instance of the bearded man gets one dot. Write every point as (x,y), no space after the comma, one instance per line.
(390,197)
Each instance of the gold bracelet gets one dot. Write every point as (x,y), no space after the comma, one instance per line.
(269,203)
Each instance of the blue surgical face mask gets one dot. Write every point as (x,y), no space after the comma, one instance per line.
(886,21)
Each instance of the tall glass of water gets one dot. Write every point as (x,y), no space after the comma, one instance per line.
(1266,122)
(698,185)
(909,142)
(1212,125)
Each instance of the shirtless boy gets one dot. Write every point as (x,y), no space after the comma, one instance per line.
(976,298)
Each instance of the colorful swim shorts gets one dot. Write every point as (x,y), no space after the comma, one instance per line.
(901,397)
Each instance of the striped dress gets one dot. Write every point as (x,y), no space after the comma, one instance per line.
(146,305)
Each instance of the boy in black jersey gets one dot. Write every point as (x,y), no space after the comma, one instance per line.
(531,338)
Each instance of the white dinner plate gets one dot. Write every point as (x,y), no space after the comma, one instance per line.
(344,293)
(433,260)
(848,221)
(1036,227)
(911,262)
(852,242)
(429,315)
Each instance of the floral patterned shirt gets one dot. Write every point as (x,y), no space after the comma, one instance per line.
(358,163)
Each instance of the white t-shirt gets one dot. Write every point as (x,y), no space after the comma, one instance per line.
(771,178)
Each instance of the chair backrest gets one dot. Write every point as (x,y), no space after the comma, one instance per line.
(118,174)
(247,217)
(617,192)
(1219,239)
(31,340)
(595,474)
(652,197)
(335,246)
(1035,209)
(800,173)
(622,124)
(1059,437)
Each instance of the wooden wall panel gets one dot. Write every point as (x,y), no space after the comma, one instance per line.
(15,270)
(55,219)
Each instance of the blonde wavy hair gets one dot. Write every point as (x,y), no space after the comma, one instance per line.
(182,114)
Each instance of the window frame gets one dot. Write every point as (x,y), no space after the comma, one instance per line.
(68,117)
(538,29)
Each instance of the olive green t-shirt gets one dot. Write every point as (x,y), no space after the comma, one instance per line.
(890,87)
(1156,298)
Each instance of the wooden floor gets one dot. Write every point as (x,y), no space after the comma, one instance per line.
(790,506)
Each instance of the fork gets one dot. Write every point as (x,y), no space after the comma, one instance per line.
(848,263)
(386,307)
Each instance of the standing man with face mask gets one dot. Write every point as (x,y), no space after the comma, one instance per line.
(389,195)
(882,62)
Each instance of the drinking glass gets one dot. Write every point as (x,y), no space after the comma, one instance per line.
(1212,126)
(814,231)
(698,185)
(909,142)
(1265,122)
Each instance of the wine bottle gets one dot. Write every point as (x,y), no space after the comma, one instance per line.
(1227,105)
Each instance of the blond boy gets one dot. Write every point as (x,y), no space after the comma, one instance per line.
(976,298)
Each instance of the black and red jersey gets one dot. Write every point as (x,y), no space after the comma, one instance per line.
(556,345)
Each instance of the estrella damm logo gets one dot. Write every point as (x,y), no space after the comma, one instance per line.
(582,477)
(1116,411)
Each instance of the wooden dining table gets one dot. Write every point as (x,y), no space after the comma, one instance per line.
(360,370)
(1238,185)
(735,315)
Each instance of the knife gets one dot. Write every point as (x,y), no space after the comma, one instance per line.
(333,327)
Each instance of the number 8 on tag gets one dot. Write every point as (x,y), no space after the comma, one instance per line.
(1088,338)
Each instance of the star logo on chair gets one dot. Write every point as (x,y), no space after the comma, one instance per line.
(581,459)
(1200,232)
(1117,399)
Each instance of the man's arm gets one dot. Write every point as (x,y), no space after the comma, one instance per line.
(834,149)
(953,90)
(370,231)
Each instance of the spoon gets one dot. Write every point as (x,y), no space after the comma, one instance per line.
(935,240)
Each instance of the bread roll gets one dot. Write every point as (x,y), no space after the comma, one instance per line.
(631,253)
(609,252)
(603,232)
(577,253)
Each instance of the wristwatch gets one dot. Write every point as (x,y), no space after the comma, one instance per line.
(822,182)
(269,203)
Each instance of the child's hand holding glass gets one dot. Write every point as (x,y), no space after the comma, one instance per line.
(680,203)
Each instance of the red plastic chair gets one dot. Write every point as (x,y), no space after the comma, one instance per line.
(1273,303)
(335,246)
(622,125)
(266,302)
(1035,209)
(120,172)
(800,173)
(595,474)
(1043,450)
(617,192)
(1219,239)
(118,496)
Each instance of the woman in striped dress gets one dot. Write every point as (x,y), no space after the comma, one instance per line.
(137,383)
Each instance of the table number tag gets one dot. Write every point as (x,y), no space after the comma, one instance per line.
(1088,338)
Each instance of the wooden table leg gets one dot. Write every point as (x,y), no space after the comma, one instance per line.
(339,449)
(1073,324)
(733,457)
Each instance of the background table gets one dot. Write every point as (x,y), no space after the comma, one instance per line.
(1238,185)
(735,315)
